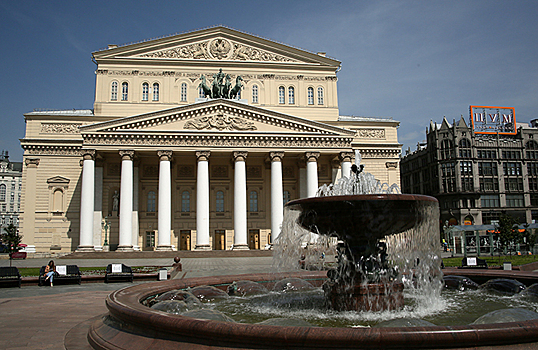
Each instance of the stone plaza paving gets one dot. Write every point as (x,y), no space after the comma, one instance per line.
(58,318)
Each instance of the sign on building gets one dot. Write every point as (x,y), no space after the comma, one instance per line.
(493,120)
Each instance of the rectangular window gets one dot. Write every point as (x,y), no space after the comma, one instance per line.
(466,168)
(310,96)
(512,169)
(255,94)
(291,95)
(487,168)
(489,201)
(489,184)
(150,239)
(486,154)
(320,96)
(511,154)
(515,200)
(220,202)
(145,91)
(281,95)
(533,184)
(184,92)
(513,184)
(124,91)
(155,92)
(467,184)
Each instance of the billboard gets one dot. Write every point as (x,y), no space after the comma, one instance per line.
(493,120)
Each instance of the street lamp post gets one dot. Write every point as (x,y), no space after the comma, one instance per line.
(106,226)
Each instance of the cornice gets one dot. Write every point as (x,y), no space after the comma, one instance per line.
(55,150)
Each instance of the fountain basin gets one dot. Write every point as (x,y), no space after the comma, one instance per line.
(131,325)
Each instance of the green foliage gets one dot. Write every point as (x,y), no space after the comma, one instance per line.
(12,239)
(508,232)
(493,261)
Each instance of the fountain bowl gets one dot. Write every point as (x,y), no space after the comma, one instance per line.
(131,325)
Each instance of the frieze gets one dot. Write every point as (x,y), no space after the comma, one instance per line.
(60,128)
(219,49)
(52,150)
(221,141)
(371,133)
(220,122)
(380,153)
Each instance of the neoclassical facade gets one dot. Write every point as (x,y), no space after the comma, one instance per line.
(195,142)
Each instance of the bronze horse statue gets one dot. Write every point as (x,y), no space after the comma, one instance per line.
(205,88)
(237,88)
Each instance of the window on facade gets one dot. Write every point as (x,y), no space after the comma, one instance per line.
(11,208)
(150,239)
(489,184)
(320,95)
(281,95)
(185,202)
(465,148)
(489,201)
(220,202)
(511,154)
(3,207)
(183,92)
(12,197)
(487,168)
(489,217)
(512,169)
(114,91)
(156,92)
(291,95)
(467,184)
(466,168)
(534,203)
(532,169)
(151,201)
(124,91)
(531,150)
(254,93)
(145,91)
(310,96)
(253,201)
(3,192)
(58,199)
(513,184)
(515,200)
(286,196)
(486,154)
(447,149)
(533,184)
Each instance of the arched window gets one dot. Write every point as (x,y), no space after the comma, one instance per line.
(465,148)
(185,202)
(291,95)
(58,200)
(253,201)
(114,91)
(151,201)
(2,193)
(320,95)
(145,91)
(286,196)
(220,202)
(156,92)
(255,94)
(281,95)
(124,91)
(184,92)
(310,96)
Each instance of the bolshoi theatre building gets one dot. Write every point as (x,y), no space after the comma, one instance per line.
(195,142)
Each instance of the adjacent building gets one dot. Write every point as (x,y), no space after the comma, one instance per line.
(195,142)
(476,177)
(10,190)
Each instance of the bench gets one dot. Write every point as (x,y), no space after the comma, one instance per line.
(10,275)
(473,263)
(63,273)
(118,272)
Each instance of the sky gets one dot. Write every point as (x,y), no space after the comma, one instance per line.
(414,61)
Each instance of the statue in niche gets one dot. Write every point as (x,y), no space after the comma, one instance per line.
(115,201)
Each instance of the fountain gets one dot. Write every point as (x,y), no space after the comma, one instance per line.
(384,243)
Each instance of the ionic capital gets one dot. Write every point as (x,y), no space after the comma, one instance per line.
(87,154)
(347,156)
(276,156)
(127,154)
(312,156)
(31,162)
(240,156)
(164,155)
(203,155)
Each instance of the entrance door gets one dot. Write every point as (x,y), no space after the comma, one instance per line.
(149,240)
(185,240)
(254,239)
(219,242)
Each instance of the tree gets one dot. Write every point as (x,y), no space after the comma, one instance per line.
(508,232)
(530,237)
(12,239)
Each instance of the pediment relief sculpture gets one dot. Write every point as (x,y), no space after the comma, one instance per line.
(219,122)
(218,49)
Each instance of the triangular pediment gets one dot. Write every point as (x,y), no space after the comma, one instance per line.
(215,44)
(216,116)
(58,180)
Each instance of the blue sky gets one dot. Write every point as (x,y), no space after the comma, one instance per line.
(414,61)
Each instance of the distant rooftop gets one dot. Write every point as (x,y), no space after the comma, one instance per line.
(360,118)
(71,112)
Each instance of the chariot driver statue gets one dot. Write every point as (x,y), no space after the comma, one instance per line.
(221,87)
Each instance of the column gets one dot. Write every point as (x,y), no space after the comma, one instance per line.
(28,205)
(87,201)
(126,201)
(312,173)
(277,200)
(240,201)
(98,208)
(136,225)
(165,201)
(202,201)
(346,160)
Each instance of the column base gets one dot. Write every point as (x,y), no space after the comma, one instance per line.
(240,247)
(136,248)
(125,248)
(202,247)
(85,248)
(164,248)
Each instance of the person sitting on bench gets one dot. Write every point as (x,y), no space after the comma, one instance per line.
(50,269)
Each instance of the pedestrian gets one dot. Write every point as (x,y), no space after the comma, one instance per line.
(50,270)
